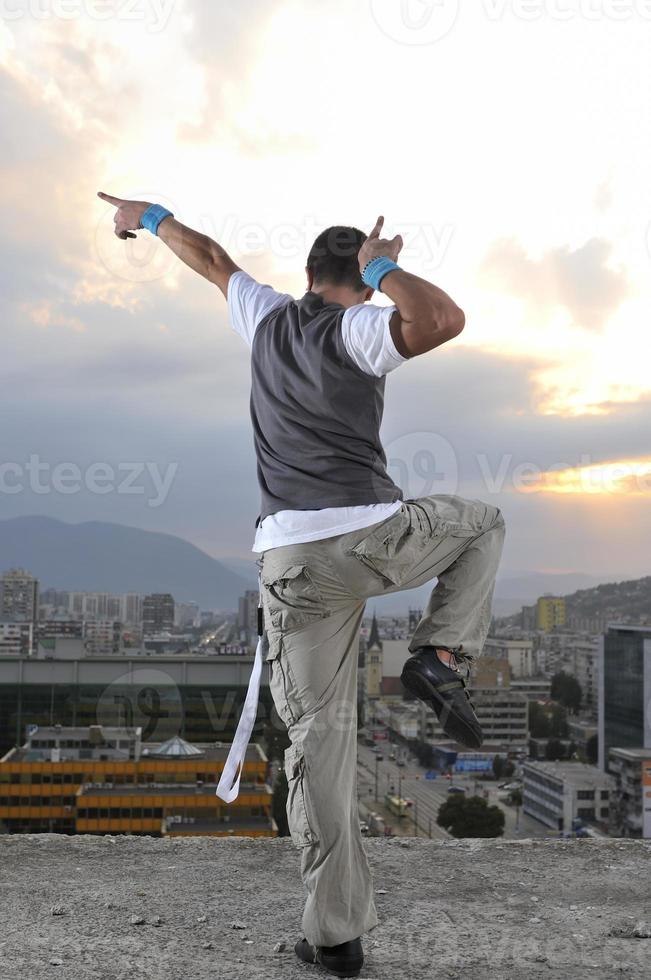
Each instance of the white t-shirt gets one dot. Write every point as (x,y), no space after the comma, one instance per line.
(367,339)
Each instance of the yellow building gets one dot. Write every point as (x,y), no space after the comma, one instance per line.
(550,612)
(103,780)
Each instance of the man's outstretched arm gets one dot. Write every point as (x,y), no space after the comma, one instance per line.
(426,317)
(198,251)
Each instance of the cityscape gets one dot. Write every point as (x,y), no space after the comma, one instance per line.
(117,713)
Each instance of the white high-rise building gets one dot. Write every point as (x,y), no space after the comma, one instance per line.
(18,597)
(519,653)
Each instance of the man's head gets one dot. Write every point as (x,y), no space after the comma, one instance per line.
(333,267)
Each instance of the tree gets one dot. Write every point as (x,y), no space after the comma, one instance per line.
(279,803)
(470,817)
(592,749)
(554,750)
(509,769)
(423,752)
(558,721)
(567,690)
(539,723)
(515,797)
(498,766)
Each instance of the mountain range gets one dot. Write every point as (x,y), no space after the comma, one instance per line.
(101,557)
(95,556)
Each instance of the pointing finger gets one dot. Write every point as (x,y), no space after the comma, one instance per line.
(378,228)
(117,202)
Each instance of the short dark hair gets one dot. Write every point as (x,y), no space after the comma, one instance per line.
(333,257)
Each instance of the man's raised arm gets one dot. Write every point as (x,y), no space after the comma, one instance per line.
(426,316)
(198,251)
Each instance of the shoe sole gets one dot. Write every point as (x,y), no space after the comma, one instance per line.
(341,973)
(418,685)
(352,972)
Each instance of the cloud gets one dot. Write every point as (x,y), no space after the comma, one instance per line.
(484,405)
(580,281)
(101,368)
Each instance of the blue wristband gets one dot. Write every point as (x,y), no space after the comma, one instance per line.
(374,271)
(153,217)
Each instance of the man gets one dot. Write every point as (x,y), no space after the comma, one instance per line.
(334,530)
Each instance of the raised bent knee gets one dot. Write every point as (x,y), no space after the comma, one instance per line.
(494,517)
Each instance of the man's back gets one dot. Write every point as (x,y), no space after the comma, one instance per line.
(316,414)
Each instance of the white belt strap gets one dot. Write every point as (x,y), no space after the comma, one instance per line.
(229,783)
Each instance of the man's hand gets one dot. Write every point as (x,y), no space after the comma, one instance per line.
(425,316)
(128,214)
(374,246)
(199,252)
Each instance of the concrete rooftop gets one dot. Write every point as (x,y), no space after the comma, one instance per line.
(112,908)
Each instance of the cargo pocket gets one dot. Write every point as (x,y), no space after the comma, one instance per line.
(391,550)
(280,683)
(300,818)
(292,600)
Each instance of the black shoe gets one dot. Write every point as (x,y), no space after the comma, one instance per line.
(444,689)
(344,960)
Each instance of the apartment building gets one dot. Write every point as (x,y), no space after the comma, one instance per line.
(560,794)
(550,612)
(519,652)
(16,639)
(18,597)
(630,811)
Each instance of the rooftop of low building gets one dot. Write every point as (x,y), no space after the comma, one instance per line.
(90,744)
(576,773)
(632,753)
(83,907)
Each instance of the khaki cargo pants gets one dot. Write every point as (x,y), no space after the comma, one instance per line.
(314,596)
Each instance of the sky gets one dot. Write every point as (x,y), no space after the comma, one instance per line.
(508,142)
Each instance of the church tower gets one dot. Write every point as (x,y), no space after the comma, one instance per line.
(374,661)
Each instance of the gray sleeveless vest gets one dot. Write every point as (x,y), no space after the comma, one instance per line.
(316,416)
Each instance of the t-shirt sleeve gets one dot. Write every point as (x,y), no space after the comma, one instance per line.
(368,341)
(249,302)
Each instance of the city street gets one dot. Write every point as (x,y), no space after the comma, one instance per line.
(428,795)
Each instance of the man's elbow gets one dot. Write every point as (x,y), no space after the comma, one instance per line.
(448,323)
(455,322)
